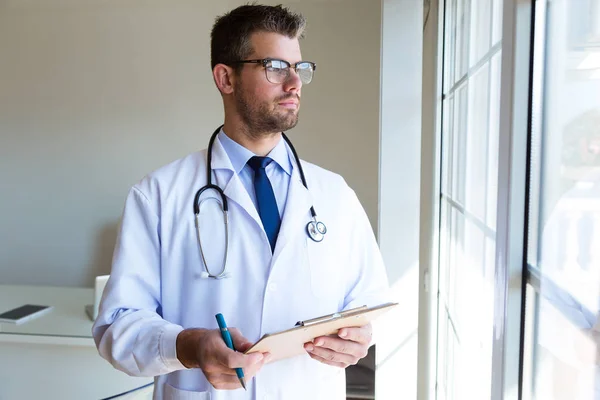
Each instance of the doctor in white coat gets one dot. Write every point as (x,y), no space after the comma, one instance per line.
(157,315)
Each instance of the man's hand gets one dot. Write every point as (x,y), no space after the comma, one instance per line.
(206,349)
(351,345)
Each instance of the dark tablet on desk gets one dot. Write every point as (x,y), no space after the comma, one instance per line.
(23,313)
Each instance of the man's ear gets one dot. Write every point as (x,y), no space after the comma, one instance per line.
(224,78)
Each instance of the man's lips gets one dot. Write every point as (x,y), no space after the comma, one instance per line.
(289,104)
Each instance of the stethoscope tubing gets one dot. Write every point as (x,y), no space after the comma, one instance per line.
(315,229)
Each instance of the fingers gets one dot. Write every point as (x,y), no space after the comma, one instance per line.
(229,358)
(351,345)
(224,381)
(362,334)
(335,350)
(227,378)
(253,369)
(326,361)
(239,342)
(233,359)
(218,362)
(242,348)
(354,349)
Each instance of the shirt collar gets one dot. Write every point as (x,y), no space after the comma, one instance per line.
(239,155)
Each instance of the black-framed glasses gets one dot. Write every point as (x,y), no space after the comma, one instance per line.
(278,71)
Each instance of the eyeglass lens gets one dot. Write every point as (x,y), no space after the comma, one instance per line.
(278,71)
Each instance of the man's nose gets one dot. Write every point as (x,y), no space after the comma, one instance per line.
(293,82)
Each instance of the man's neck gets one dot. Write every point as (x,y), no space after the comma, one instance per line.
(260,144)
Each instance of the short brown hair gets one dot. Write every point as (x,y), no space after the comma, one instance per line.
(230,35)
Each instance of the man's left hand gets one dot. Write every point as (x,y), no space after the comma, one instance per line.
(350,345)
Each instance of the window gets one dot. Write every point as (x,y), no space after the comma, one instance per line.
(556,108)
(562,331)
(470,109)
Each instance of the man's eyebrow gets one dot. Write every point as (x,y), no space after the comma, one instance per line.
(283,59)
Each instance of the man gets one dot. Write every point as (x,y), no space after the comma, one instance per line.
(157,316)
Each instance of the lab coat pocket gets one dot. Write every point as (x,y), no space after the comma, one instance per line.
(172,393)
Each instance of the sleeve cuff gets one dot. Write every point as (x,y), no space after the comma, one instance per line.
(168,347)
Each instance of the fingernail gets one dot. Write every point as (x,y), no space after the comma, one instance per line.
(318,342)
(309,347)
(343,334)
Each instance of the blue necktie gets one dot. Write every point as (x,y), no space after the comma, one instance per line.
(267,206)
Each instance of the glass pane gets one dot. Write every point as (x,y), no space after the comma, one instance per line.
(448,251)
(466,269)
(449,44)
(481,12)
(462,40)
(455,253)
(476,156)
(445,249)
(450,243)
(565,334)
(531,298)
(442,362)
(447,155)
(489,271)
(459,145)
(492,150)
(496,21)
(451,240)
(444,246)
(537,120)
(450,341)
(469,314)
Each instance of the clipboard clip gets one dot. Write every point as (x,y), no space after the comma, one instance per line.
(330,317)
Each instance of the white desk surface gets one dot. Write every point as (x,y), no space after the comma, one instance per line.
(67,323)
(40,357)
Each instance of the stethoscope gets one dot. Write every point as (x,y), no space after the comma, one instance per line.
(315,229)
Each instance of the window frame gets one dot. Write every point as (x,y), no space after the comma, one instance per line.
(511,220)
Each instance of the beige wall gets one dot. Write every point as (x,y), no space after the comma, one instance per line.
(94,94)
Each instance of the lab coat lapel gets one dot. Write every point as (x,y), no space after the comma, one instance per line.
(227,179)
(296,215)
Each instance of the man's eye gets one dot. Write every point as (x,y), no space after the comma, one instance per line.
(276,70)
(277,64)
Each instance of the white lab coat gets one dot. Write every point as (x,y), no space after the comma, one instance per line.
(155,289)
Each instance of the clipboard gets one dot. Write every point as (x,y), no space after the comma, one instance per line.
(290,342)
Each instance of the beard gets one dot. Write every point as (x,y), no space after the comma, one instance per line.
(261,118)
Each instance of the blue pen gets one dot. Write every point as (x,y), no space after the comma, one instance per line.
(227,338)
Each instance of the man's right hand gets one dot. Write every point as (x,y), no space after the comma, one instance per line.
(206,349)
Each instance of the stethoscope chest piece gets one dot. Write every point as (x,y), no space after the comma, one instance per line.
(316,230)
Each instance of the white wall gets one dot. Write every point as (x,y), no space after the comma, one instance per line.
(400,181)
(429,201)
(95,94)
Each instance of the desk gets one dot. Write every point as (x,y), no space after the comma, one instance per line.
(54,356)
